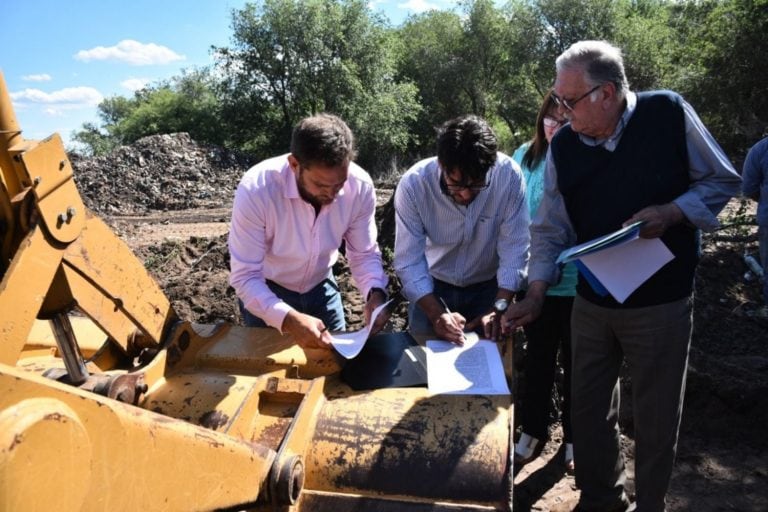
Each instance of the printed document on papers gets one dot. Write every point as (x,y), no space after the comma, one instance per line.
(472,369)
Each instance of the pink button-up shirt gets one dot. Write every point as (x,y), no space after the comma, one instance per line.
(276,235)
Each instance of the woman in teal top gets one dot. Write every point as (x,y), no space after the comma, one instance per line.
(552,330)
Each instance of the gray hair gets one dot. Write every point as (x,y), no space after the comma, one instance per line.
(601,62)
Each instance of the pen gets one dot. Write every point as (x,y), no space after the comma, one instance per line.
(448,310)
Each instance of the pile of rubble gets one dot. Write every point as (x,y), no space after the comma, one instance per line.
(160,173)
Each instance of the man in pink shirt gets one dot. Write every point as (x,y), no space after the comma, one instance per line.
(290,216)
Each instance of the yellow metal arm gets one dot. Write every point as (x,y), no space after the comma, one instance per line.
(56,255)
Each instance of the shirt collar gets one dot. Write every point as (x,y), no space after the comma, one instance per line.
(290,187)
(611,142)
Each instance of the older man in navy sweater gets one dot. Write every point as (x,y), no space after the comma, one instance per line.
(625,157)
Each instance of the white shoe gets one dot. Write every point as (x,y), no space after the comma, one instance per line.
(525,449)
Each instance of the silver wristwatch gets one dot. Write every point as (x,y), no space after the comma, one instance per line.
(500,305)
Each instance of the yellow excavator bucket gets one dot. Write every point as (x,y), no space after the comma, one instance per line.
(109,401)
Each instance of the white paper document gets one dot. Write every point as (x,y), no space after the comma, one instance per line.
(472,369)
(349,344)
(621,269)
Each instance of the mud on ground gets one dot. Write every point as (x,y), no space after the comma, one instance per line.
(170,199)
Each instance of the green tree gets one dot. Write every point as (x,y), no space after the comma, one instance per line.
(297,58)
(115,109)
(292,58)
(187,103)
(485,57)
(647,41)
(99,139)
(430,58)
(529,76)
(91,141)
(538,32)
(459,62)
(722,67)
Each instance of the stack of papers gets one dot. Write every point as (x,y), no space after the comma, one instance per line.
(619,262)
(472,369)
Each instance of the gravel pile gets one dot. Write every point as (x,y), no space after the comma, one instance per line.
(160,173)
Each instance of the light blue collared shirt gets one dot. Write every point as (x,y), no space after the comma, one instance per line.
(534,190)
(713,181)
(461,245)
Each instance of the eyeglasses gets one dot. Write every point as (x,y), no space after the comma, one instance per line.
(551,122)
(571,104)
(452,188)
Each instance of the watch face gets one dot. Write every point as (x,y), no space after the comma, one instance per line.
(500,305)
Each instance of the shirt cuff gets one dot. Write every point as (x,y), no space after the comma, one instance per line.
(697,213)
(547,273)
(514,281)
(275,316)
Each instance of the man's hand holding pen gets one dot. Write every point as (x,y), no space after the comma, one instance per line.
(450,326)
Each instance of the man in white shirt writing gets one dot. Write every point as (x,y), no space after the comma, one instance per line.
(461,241)
(289,218)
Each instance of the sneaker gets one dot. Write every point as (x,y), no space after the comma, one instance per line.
(527,449)
(569,466)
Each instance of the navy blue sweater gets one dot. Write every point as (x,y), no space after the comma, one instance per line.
(603,189)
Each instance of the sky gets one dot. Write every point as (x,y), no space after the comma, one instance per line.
(61,59)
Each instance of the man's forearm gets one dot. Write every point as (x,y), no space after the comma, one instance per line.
(431,306)
(537,290)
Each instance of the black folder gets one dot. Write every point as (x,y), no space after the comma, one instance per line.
(388,360)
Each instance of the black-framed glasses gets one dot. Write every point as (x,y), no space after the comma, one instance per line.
(452,188)
(571,104)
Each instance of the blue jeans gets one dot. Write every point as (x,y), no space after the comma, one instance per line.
(323,302)
(470,301)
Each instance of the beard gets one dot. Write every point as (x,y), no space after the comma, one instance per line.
(316,200)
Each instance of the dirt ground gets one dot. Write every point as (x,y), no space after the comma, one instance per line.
(722,462)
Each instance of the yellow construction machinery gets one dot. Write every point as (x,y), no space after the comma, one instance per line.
(109,401)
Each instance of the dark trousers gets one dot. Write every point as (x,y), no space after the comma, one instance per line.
(323,302)
(762,233)
(654,341)
(551,331)
(469,301)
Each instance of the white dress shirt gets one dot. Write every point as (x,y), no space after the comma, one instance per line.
(461,245)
